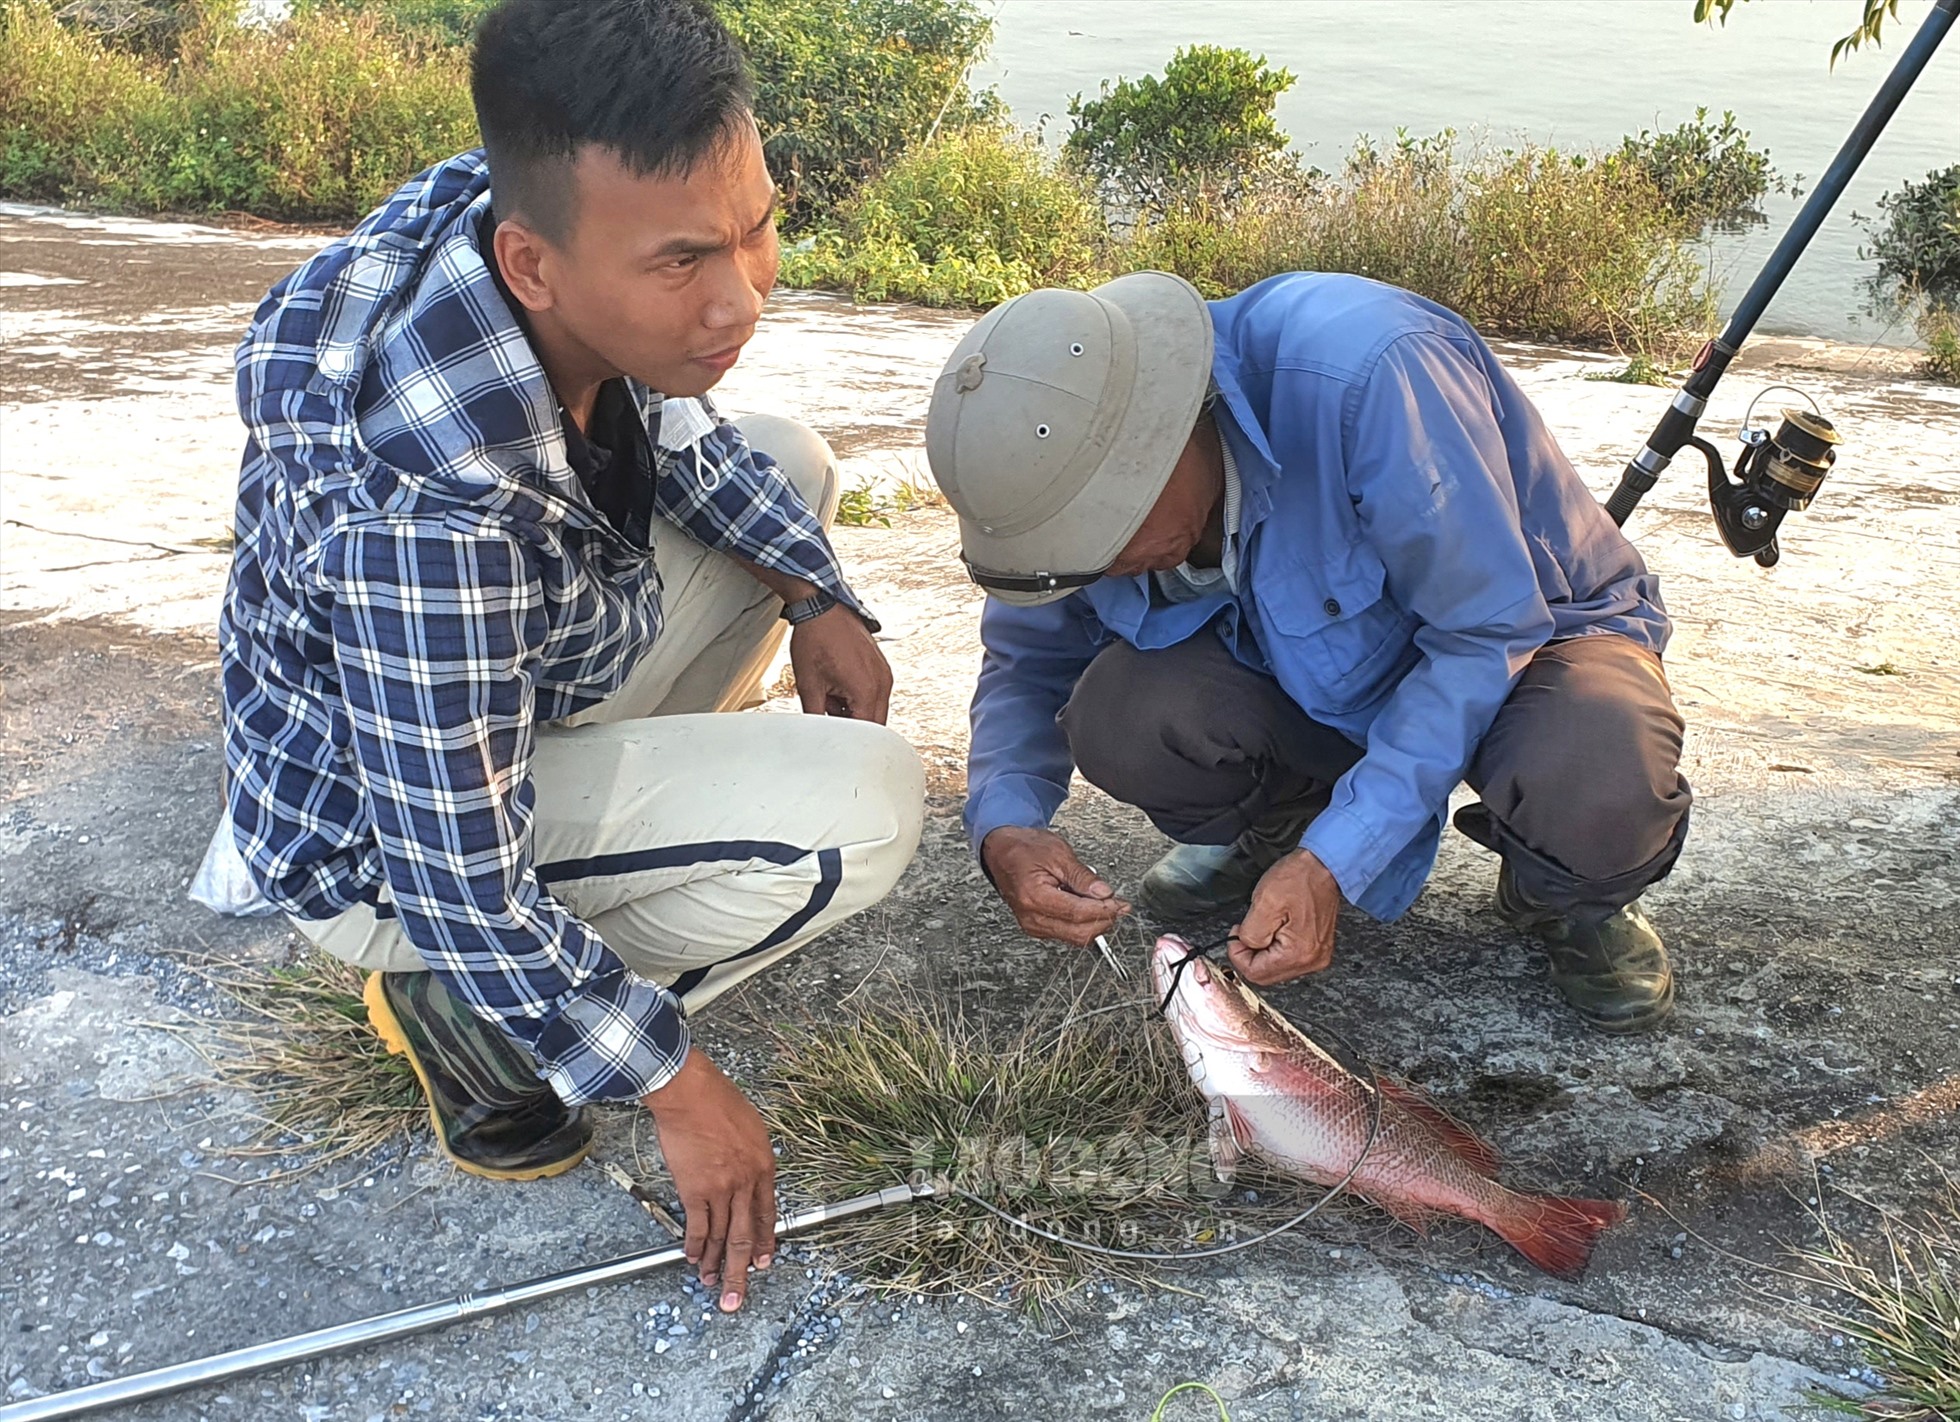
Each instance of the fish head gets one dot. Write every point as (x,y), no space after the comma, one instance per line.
(1207,1003)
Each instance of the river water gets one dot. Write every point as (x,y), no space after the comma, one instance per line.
(1576,73)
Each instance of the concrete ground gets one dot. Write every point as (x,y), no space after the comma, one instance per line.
(1816,1051)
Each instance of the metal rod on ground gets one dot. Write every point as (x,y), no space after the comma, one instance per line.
(404,1322)
(1679,422)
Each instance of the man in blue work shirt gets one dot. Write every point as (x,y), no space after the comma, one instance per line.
(1281,571)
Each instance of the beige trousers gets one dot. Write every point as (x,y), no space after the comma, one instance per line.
(703,847)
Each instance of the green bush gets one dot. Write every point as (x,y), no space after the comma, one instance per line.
(843,87)
(1205,128)
(1524,242)
(69,105)
(1940,329)
(1567,247)
(1917,243)
(317,118)
(970,219)
(1705,172)
(1916,249)
(449,22)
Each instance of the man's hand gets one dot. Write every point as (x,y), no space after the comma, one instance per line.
(839,669)
(1288,930)
(717,1150)
(1053,894)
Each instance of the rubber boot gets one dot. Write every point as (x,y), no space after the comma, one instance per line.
(1613,971)
(1206,880)
(492,1115)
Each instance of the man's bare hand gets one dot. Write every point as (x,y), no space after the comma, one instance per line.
(839,669)
(1052,893)
(1288,930)
(717,1150)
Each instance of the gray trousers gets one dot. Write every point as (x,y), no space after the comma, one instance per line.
(1579,775)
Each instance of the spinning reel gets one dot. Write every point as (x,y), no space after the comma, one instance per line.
(1774,474)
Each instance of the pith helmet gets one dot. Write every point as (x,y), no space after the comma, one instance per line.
(1056,424)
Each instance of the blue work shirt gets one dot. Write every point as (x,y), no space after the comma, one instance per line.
(1411,534)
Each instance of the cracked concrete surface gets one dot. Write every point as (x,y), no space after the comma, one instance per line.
(1817,1046)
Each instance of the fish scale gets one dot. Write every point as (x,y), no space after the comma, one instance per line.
(1286,1100)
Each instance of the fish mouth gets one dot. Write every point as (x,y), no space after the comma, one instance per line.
(1203,997)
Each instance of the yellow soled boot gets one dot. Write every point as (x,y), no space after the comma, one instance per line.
(492,1115)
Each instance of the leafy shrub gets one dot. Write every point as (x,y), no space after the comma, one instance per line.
(1524,242)
(1206,127)
(1705,172)
(1940,329)
(1916,249)
(319,117)
(140,26)
(68,104)
(1917,244)
(1566,247)
(970,219)
(843,87)
(442,21)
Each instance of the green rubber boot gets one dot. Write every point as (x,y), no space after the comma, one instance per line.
(1614,973)
(492,1115)
(1206,880)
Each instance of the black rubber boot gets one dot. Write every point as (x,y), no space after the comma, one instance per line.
(492,1115)
(1203,880)
(1614,971)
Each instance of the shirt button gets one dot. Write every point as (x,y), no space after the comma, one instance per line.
(1331,608)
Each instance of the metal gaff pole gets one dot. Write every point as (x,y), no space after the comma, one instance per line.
(1678,424)
(404,1322)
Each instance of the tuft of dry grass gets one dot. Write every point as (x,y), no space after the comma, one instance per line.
(1903,1311)
(303,1050)
(1079,1119)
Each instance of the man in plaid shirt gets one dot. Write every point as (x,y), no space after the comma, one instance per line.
(497,558)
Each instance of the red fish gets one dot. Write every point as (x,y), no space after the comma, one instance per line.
(1277,1095)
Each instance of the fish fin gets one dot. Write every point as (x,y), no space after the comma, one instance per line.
(1227,1146)
(1476,1152)
(1555,1232)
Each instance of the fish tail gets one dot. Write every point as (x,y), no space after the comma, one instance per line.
(1555,1232)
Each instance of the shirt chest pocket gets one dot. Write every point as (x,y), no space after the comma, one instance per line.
(1335,621)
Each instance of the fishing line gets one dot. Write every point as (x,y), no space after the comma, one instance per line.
(1202,950)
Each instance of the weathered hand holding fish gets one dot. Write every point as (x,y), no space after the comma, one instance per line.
(1274,1093)
(1288,930)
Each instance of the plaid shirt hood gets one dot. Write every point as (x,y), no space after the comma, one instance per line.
(418,580)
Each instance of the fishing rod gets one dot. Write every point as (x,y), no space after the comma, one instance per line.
(1778,473)
(403,1323)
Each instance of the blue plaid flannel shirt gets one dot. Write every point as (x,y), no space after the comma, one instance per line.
(419,579)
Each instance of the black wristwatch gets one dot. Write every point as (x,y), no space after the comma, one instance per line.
(815,605)
(820,602)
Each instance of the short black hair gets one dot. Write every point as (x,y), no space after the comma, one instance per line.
(659,83)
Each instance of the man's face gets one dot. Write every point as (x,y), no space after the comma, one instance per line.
(1181,517)
(663,278)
